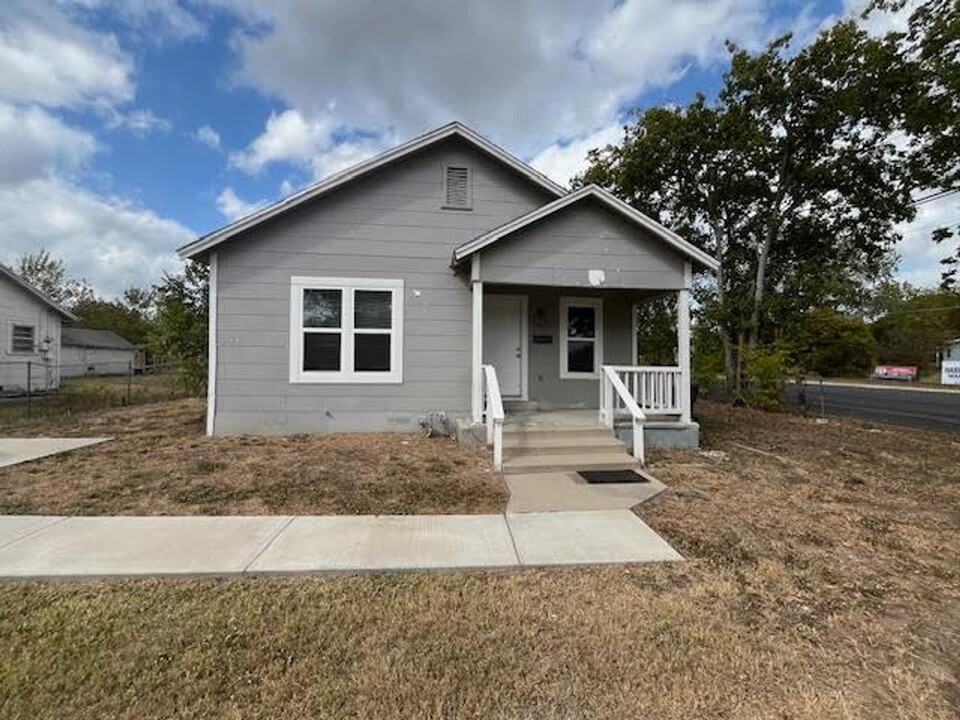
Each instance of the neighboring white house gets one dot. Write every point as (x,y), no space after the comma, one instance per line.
(950,363)
(96,352)
(29,336)
(436,278)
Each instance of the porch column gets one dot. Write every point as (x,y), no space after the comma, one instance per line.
(683,342)
(476,358)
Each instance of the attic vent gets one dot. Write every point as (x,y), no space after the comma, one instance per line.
(458,188)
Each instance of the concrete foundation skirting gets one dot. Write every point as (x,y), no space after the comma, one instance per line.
(663,435)
(471,434)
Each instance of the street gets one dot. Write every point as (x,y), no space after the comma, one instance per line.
(930,409)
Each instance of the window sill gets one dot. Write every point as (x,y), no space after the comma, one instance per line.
(579,376)
(347,379)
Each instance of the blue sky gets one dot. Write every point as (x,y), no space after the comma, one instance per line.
(128,127)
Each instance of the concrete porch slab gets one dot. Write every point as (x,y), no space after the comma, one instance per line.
(586,538)
(389,542)
(18,450)
(14,527)
(553,491)
(113,546)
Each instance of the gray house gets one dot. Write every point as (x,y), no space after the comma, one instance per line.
(29,336)
(444,275)
(85,351)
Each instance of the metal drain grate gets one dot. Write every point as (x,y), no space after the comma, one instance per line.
(607,477)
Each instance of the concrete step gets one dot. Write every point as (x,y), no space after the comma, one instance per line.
(577,451)
(562,462)
(596,430)
(560,441)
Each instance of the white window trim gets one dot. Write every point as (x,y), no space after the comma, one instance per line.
(597,305)
(443,187)
(34,344)
(346,374)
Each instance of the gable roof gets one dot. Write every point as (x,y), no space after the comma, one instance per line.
(31,290)
(611,201)
(454,129)
(89,338)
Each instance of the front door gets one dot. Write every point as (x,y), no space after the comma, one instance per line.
(504,341)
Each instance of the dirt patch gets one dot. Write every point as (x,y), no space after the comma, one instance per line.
(843,540)
(160,463)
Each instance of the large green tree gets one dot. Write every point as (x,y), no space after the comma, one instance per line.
(180,322)
(789,178)
(49,275)
(931,108)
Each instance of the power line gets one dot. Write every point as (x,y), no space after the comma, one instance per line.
(939,195)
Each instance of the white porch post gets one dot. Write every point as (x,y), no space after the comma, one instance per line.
(476,372)
(683,341)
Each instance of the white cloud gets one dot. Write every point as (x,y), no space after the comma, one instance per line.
(161,18)
(307,142)
(288,137)
(206,135)
(920,256)
(561,161)
(524,73)
(233,207)
(109,241)
(46,59)
(138,122)
(34,143)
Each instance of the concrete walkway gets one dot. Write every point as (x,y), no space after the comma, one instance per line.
(87,547)
(18,450)
(553,491)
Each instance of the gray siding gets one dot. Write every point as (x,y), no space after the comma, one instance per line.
(388,225)
(18,307)
(561,249)
(545,385)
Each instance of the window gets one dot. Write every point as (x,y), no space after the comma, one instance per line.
(457,190)
(346,330)
(581,337)
(21,339)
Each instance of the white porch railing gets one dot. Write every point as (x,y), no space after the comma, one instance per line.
(657,390)
(614,396)
(493,414)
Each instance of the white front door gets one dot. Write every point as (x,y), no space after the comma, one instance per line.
(504,341)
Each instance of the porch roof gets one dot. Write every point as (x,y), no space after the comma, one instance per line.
(612,202)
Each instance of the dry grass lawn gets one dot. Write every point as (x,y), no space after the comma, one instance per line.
(160,463)
(823,581)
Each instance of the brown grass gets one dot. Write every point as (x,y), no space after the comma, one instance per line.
(844,541)
(823,582)
(160,463)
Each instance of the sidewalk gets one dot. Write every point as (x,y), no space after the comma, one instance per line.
(87,547)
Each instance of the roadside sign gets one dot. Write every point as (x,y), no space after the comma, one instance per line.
(896,372)
(950,372)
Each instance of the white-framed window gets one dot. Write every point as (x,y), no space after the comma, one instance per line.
(457,188)
(346,330)
(581,337)
(23,339)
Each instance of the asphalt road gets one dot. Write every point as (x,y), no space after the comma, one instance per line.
(896,405)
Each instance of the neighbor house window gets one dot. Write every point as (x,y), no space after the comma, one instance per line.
(22,339)
(457,188)
(581,337)
(346,330)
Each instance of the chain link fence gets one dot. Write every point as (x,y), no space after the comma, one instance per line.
(35,389)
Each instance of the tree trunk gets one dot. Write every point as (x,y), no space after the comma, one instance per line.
(720,240)
(773,230)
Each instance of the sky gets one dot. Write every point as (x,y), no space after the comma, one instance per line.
(130,127)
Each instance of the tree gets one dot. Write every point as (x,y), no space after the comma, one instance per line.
(789,179)
(180,322)
(48,274)
(911,328)
(129,317)
(830,343)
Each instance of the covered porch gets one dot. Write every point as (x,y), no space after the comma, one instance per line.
(555,306)
(553,350)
